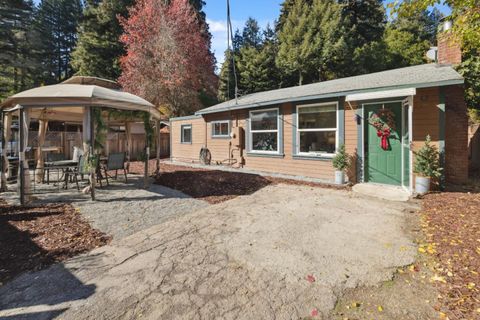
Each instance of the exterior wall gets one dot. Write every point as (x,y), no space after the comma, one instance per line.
(222,148)
(474,147)
(425,117)
(453,138)
(456,135)
(427,120)
(187,152)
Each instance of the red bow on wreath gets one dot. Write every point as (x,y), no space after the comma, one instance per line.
(384,135)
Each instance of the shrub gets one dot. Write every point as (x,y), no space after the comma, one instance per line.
(427,160)
(341,161)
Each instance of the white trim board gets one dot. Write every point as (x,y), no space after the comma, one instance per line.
(381,94)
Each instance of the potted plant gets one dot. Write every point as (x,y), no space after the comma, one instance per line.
(341,162)
(426,166)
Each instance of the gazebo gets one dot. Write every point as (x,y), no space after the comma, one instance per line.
(76,99)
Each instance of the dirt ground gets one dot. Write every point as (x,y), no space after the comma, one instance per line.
(283,252)
(35,237)
(216,186)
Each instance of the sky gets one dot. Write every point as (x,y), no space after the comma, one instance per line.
(264,11)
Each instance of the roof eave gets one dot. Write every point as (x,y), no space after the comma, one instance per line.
(331,95)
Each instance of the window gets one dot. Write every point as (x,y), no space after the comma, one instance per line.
(221,129)
(186,133)
(317,129)
(264,137)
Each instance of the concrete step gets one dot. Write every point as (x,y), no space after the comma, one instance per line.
(382,191)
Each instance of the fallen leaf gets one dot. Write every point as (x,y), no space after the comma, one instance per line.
(314,312)
(310,278)
(380,308)
(438,278)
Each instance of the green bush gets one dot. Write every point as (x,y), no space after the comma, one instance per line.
(427,162)
(341,161)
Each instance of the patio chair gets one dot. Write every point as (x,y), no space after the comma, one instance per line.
(80,170)
(116,161)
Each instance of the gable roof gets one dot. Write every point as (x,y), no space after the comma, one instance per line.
(421,76)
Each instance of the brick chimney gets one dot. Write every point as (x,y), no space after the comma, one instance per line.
(449,50)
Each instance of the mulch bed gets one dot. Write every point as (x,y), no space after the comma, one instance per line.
(451,222)
(35,237)
(215,186)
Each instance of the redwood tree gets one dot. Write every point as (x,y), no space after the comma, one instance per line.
(168,60)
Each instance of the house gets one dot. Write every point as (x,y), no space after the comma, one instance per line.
(297,130)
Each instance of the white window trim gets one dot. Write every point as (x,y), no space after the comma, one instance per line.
(220,135)
(316,154)
(183,127)
(250,132)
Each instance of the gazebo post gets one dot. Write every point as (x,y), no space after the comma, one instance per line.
(42,131)
(147,158)
(7,124)
(3,183)
(88,141)
(158,144)
(128,139)
(21,155)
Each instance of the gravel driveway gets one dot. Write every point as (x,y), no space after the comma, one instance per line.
(248,258)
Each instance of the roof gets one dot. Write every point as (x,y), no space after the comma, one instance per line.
(421,76)
(85,80)
(67,98)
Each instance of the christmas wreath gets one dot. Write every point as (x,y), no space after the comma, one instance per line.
(384,122)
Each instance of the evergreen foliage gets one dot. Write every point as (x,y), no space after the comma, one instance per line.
(57,21)
(341,161)
(226,82)
(427,160)
(18,65)
(312,42)
(99,49)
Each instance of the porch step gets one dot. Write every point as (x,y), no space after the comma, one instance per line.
(382,191)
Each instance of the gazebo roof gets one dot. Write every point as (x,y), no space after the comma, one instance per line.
(66,98)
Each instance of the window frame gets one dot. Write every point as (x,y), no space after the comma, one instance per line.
(251,132)
(222,136)
(183,127)
(298,130)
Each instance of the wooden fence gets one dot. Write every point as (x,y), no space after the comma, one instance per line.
(116,142)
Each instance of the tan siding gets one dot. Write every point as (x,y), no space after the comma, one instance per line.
(187,152)
(351,136)
(221,148)
(425,116)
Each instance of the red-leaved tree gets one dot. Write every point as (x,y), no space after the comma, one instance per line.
(168,60)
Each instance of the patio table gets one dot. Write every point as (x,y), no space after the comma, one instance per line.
(65,165)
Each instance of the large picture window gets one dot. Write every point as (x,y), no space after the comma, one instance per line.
(317,129)
(264,137)
(221,129)
(186,133)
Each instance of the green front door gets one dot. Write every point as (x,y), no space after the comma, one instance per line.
(383,164)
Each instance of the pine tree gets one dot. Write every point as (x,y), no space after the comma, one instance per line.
(294,25)
(312,43)
(365,22)
(17,58)
(99,48)
(252,36)
(57,22)
(237,41)
(256,67)
(226,83)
